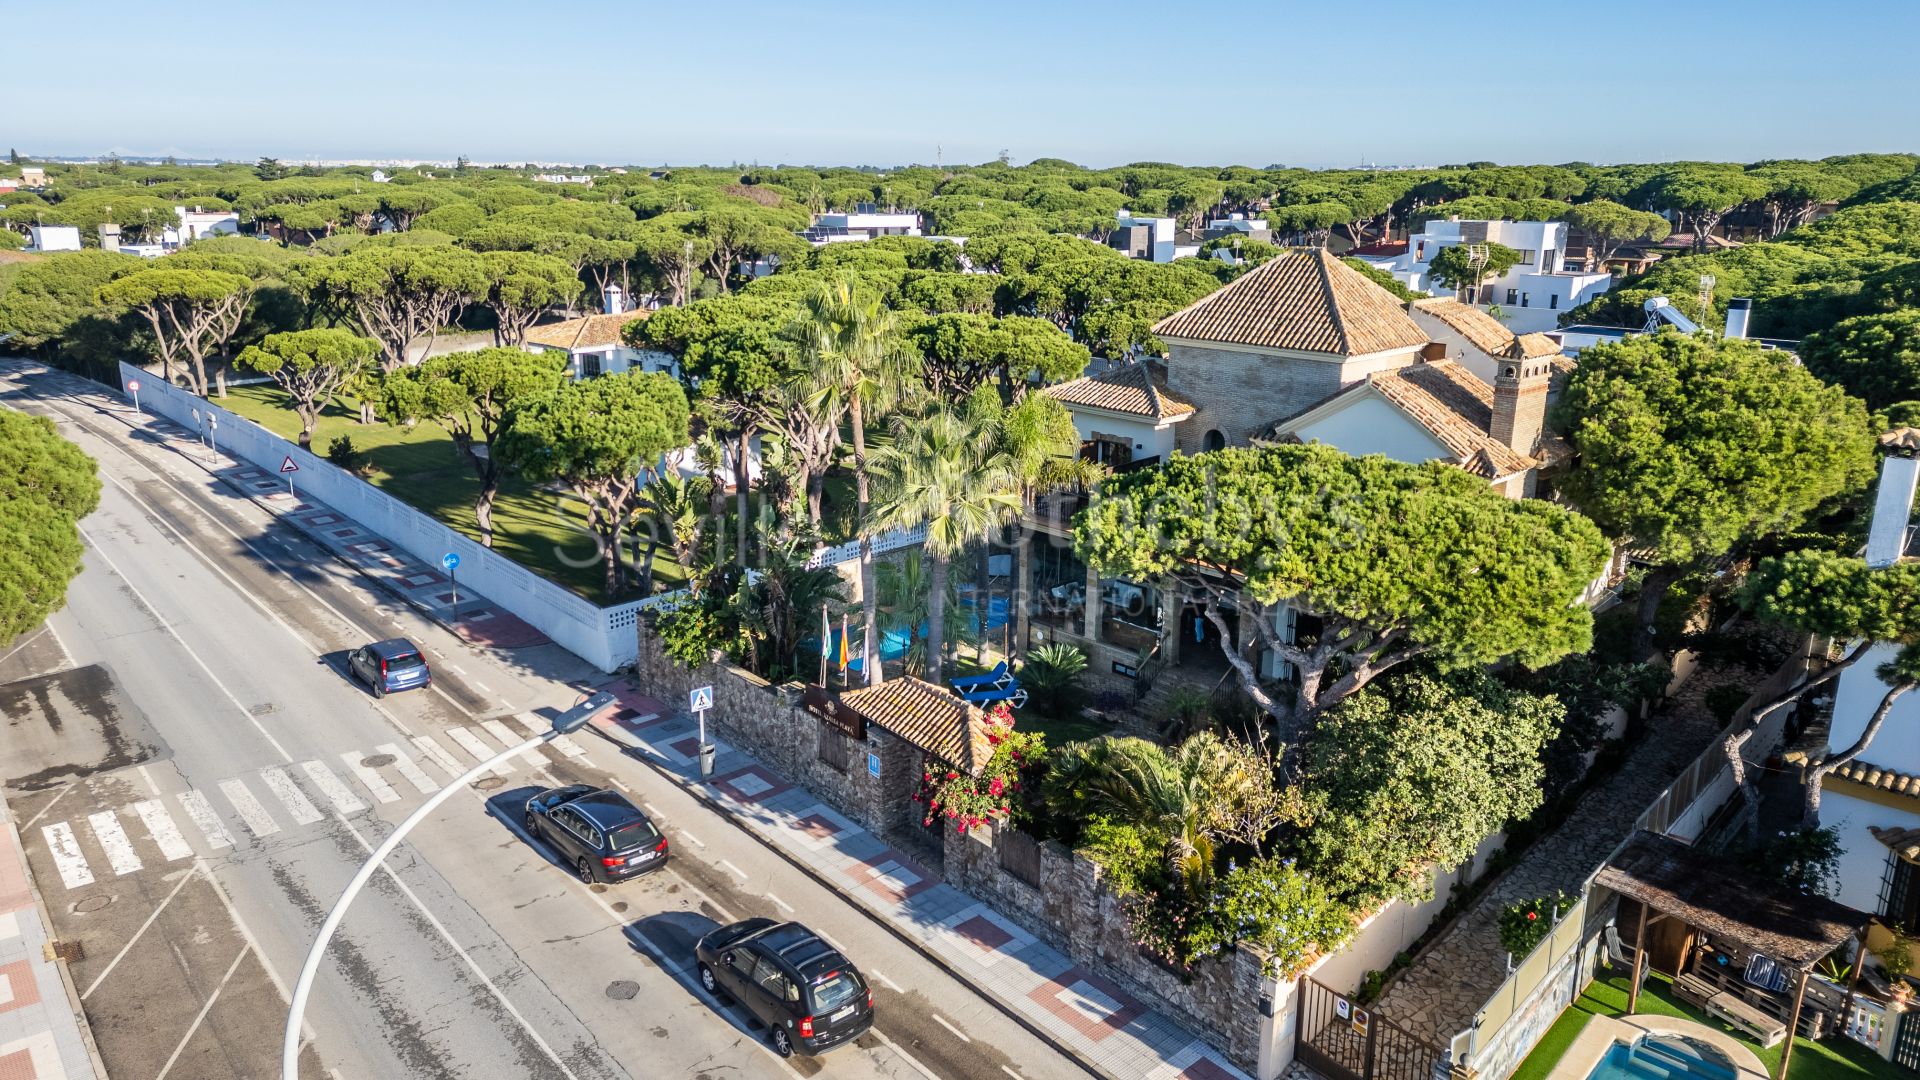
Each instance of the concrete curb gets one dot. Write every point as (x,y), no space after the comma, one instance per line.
(46,923)
(699,792)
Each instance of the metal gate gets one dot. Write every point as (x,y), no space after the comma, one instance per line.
(1906,1043)
(1343,1040)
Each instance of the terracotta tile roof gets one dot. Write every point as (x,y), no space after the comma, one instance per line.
(1871,775)
(1485,332)
(933,719)
(587,332)
(1307,301)
(1136,389)
(1902,842)
(1456,407)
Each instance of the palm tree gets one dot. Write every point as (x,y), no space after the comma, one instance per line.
(1041,445)
(854,354)
(943,471)
(906,595)
(673,512)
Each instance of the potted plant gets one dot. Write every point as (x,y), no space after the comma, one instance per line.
(1897,957)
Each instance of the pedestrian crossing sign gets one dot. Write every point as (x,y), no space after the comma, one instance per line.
(700,699)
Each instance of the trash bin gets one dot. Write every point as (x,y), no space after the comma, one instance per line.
(706,760)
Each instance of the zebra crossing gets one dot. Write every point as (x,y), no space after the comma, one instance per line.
(113,843)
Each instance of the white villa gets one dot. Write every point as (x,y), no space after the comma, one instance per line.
(1532,293)
(593,343)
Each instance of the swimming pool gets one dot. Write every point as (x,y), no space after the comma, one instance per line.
(1663,1057)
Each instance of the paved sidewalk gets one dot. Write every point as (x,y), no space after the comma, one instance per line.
(1078,1011)
(43,1032)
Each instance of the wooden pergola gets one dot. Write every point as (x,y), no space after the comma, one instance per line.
(1732,903)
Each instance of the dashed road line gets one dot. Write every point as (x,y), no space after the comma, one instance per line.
(337,793)
(165,833)
(253,815)
(115,841)
(687,835)
(369,779)
(957,1033)
(891,985)
(784,906)
(415,774)
(200,811)
(437,754)
(1010,1072)
(67,859)
(290,795)
(735,869)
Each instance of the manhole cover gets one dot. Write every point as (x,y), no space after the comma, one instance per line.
(619,906)
(622,990)
(488,783)
(71,951)
(93,903)
(377,761)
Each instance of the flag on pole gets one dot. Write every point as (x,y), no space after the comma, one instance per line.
(826,643)
(843,643)
(867,654)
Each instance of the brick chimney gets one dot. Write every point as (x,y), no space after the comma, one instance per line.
(1520,400)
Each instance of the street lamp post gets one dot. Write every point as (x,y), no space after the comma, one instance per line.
(572,720)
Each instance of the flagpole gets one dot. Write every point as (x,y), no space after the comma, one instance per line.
(826,643)
(869,658)
(843,650)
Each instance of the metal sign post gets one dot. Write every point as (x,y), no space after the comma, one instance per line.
(133,387)
(213,428)
(699,700)
(289,467)
(451,562)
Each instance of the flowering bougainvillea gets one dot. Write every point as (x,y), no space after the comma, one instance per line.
(971,801)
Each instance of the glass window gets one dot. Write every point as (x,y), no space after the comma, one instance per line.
(638,834)
(1059,582)
(1513,296)
(405,662)
(1130,614)
(1553,300)
(836,988)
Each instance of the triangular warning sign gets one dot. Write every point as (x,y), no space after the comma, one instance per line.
(288,465)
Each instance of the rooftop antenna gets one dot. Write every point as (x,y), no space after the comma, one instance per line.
(1707,282)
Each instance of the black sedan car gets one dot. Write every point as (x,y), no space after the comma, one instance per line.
(808,994)
(603,836)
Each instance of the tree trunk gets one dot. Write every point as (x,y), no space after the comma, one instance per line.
(483,513)
(1289,722)
(309,418)
(1022,592)
(983,596)
(936,616)
(616,568)
(220,381)
(1817,775)
(816,486)
(366,411)
(741,481)
(869,595)
(646,567)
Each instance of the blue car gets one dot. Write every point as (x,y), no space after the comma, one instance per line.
(389,666)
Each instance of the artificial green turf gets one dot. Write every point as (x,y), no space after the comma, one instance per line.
(540,529)
(1834,1058)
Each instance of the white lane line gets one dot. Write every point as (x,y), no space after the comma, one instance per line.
(458,668)
(506,736)
(621,784)
(478,750)
(957,1033)
(908,1058)
(480,686)
(161,621)
(784,906)
(253,815)
(1010,1072)
(735,869)
(437,754)
(891,985)
(337,793)
(369,779)
(118,845)
(165,833)
(689,836)
(67,858)
(415,774)
(651,809)
(563,743)
(64,788)
(187,875)
(290,796)
(204,819)
(202,1015)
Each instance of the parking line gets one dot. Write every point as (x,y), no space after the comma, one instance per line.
(784,906)
(64,788)
(67,859)
(373,781)
(506,736)
(434,752)
(165,833)
(891,985)
(208,822)
(252,814)
(342,797)
(735,869)
(693,838)
(202,1015)
(190,873)
(1010,1072)
(957,1033)
(118,845)
(472,744)
(290,795)
(415,774)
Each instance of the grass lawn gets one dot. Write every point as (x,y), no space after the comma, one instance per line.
(542,530)
(1835,1058)
(1060,732)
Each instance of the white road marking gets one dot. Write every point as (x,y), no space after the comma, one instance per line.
(165,833)
(202,1015)
(415,774)
(784,906)
(35,636)
(651,809)
(957,1033)
(252,814)
(644,719)
(687,835)
(204,819)
(337,793)
(458,668)
(1010,1072)
(437,754)
(64,788)
(562,743)
(118,845)
(472,745)
(506,736)
(735,869)
(67,858)
(621,784)
(480,686)
(188,875)
(290,796)
(371,780)
(894,986)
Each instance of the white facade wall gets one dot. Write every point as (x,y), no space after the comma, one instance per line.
(1897,746)
(1148,440)
(1370,425)
(1863,859)
(53,238)
(1541,282)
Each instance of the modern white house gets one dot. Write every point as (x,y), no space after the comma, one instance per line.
(1532,293)
(197,223)
(862,224)
(1149,238)
(593,343)
(53,238)
(1125,417)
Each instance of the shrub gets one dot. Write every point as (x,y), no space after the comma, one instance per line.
(1130,855)
(1051,677)
(1725,700)
(1268,903)
(1525,925)
(970,801)
(343,453)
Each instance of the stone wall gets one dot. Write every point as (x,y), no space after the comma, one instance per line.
(1241,393)
(1072,910)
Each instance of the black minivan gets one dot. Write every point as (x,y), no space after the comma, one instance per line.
(597,832)
(809,995)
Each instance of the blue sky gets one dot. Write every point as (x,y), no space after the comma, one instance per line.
(868,83)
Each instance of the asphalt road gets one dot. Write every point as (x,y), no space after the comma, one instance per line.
(195,781)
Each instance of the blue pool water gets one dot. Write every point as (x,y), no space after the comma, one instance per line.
(894,644)
(1663,1057)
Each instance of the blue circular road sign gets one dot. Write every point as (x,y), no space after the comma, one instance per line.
(450,561)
